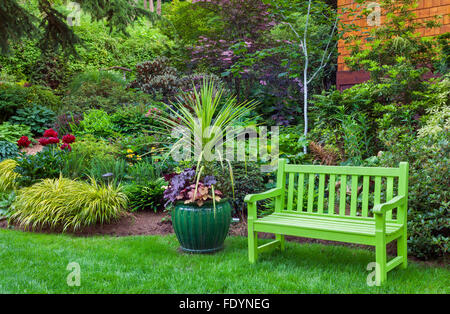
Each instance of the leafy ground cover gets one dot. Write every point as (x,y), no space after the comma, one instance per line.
(36,263)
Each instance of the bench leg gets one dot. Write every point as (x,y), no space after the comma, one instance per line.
(252,246)
(280,237)
(380,251)
(402,250)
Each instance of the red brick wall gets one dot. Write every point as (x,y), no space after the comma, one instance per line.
(426,10)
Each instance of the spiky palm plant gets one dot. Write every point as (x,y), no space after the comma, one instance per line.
(205,117)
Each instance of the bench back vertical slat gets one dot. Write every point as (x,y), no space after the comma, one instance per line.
(354,196)
(365,196)
(321,193)
(403,190)
(367,187)
(331,194)
(377,191)
(343,195)
(311,187)
(389,194)
(290,191)
(300,191)
(281,183)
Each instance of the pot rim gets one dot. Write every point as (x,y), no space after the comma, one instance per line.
(208,202)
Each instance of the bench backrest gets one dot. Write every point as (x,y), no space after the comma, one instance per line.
(342,191)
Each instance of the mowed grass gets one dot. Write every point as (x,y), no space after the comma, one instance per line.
(36,263)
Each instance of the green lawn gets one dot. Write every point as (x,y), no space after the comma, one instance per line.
(36,263)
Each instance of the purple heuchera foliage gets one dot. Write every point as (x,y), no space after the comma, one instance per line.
(178,182)
(181,184)
(209,180)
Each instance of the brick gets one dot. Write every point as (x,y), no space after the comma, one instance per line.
(423,13)
(434,12)
(446,19)
(422,4)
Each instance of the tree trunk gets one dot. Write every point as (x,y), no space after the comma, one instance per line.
(305,102)
(151,5)
(158,7)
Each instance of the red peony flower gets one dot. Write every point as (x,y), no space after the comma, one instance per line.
(23,142)
(50,133)
(44,141)
(53,140)
(68,139)
(66,146)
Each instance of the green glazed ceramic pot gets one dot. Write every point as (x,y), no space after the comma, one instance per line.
(201,229)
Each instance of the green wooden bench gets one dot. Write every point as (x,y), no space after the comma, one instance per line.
(371,209)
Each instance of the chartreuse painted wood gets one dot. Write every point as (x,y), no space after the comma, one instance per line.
(319,215)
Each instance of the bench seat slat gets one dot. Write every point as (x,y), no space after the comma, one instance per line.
(337,226)
(359,219)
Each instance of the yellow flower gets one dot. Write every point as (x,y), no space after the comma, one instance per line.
(129,151)
(130,156)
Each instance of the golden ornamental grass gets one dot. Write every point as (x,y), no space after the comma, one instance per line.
(69,204)
(7,175)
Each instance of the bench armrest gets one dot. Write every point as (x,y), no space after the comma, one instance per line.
(250,198)
(397,201)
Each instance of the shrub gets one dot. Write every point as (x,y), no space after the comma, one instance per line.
(132,119)
(8,178)
(157,78)
(191,21)
(429,205)
(8,150)
(47,163)
(100,90)
(163,82)
(96,122)
(38,118)
(69,204)
(291,142)
(91,147)
(248,179)
(64,122)
(84,150)
(13,132)
(138,145)
(6,200)
(14,97)
(145,197)
(108,169)
(98,83)
(143,172)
